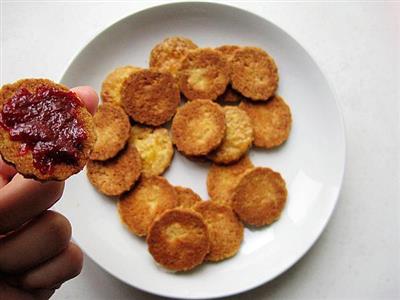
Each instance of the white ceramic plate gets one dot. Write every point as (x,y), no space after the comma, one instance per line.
(312,160)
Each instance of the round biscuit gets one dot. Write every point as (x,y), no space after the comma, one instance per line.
(178,239)
(204,74)
(117,175)
(271,121)
(155,148)
(167,56)
(224,229)
(112,128)
(221,180)
(150,197)
(238,136)
(11,150)
(198,127)
(112,84)
(150,97)
(186,197)
(259,197)
(254,73)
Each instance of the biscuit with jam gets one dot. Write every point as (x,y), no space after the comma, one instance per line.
(224,229)
(221,180)
(204,74)
(271,121)
(111,86)
(46,132)
(254,73)
(117,175)
(155,148)
(259,197)
(178,239)
(168,55)
(198,127)
(112,128)
(186,197)
(238,137)
(150,97)
(150,197)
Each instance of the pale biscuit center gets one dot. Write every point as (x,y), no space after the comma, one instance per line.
(197,79)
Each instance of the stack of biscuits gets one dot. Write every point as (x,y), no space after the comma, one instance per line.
(210,104)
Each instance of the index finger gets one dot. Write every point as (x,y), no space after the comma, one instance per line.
(23,199)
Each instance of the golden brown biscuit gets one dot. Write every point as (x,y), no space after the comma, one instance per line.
(254,73)
(204,74)
(111,87)
(186,197)
(198,127)
(167,56)
(178,239)
(221,180)
(272,121)
(150,97)
(52,131)
(228,50)
(231,96)
(238,136)
(224,229)
(112,128)
(155,148)
(259,197)
(150,197)
(116,175)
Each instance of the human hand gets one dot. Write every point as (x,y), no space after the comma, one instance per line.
(36,254)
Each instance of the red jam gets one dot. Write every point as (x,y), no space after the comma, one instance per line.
(46,123)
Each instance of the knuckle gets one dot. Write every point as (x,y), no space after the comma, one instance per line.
(59,228)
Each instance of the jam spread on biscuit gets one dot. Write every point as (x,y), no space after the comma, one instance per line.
(46,123)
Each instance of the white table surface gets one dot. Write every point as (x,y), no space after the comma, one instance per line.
(358,47)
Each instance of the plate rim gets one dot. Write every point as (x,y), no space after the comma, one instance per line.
(341,125)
